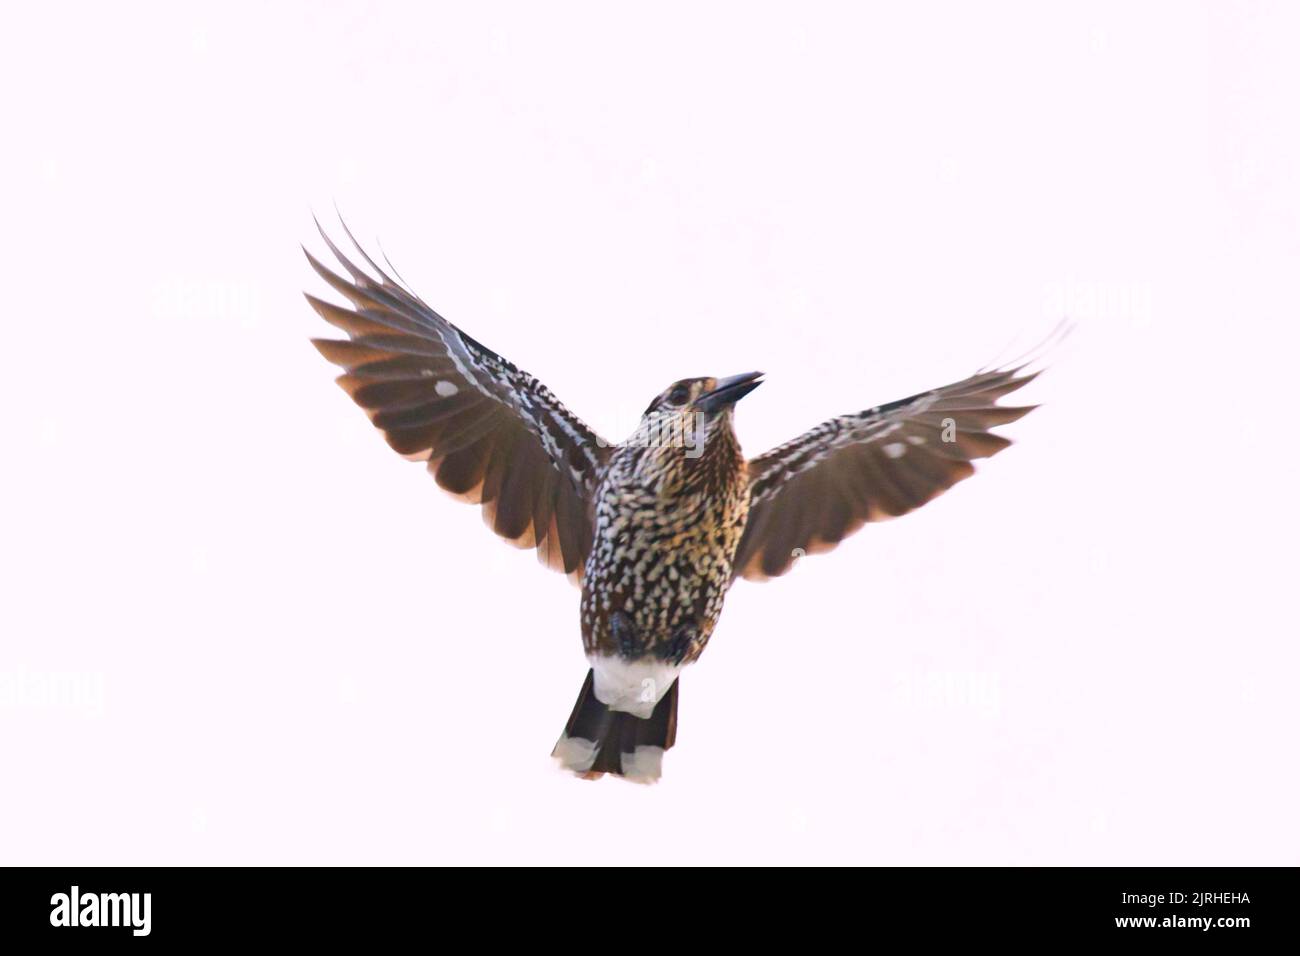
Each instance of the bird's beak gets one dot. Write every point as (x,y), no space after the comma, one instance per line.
(728,391)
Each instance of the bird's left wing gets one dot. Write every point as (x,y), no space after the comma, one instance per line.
(810,493)
(491,433)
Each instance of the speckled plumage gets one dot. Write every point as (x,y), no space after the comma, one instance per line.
(667,528)
(655,529)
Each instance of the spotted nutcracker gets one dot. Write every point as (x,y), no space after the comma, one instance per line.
(656,529)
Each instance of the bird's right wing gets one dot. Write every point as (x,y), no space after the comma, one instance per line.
(810,493)
(491,433)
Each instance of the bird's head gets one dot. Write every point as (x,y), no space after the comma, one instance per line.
(711,397)
(693,415)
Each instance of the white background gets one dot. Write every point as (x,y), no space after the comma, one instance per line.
(236,628)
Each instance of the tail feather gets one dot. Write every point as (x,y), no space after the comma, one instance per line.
(598,740)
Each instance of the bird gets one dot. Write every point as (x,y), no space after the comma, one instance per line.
(654,529)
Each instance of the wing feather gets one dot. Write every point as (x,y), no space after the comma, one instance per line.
(813,492)
(490,433)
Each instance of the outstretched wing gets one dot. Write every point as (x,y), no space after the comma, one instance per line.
(490,432)
(810,493)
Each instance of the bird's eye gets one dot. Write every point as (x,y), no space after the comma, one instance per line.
(679,395)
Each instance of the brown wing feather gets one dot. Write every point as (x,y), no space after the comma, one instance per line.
(811,493)
(490,432)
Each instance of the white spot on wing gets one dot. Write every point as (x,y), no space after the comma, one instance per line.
(895,449)
(446,389)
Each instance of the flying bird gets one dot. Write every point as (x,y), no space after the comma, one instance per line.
(654,529)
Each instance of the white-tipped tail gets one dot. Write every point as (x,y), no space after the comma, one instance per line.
(600,739)
(575,753)
(644,765)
